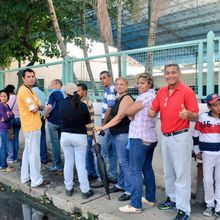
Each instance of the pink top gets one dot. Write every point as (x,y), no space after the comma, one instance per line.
(13,104)
(143,127)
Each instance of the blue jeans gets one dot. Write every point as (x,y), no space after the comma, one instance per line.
(90,163)
(140,160)
(13,145)
(4,137)
(109,151)
(55,133)
(43,143)
(120,141)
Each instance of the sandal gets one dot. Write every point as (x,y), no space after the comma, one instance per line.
(8,169)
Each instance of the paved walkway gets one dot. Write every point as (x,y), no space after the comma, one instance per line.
(104,208)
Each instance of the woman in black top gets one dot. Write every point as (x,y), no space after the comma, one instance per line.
(74,116)
(119,126)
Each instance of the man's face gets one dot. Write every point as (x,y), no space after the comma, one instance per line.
(172,75)
(29,79)
(105,79)
(81,92)
(55,85)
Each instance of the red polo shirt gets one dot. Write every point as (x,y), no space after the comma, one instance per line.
(170,106)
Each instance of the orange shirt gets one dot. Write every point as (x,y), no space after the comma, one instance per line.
(27,101)
(169,107)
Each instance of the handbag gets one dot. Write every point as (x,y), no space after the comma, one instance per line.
(11,134)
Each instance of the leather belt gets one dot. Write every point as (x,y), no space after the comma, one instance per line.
(175,133)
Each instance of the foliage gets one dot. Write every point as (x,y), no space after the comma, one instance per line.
(27,31)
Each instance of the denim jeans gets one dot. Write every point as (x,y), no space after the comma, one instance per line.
(109,151)
(140,161)
(55,133)
(74,149)
(4,137)
(90,163)
(13,145)
(120,141)
(43,144)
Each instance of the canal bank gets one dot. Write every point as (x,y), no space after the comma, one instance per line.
(100,208)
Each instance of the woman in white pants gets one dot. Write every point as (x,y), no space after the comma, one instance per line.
(74,116)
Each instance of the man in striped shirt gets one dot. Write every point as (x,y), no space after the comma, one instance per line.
(90,164)
(108,151)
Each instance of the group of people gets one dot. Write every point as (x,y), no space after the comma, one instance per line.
(130,138)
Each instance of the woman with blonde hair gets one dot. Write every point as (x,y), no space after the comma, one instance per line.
(143,139)
(119,126)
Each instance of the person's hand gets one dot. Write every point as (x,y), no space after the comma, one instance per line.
(97,129)
(40,107)
(184,113)
(35,110)
(151,113)
(199,156)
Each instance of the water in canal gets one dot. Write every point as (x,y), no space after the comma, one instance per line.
(16,206)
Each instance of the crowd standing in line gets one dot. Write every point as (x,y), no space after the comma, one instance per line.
(130,137)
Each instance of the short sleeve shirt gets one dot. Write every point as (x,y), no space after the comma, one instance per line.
(28,101)
(144,127)
(54,100)
(169,107)
(108,100)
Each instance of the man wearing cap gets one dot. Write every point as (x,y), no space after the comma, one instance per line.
(206,137)
(177,105)
(74,116)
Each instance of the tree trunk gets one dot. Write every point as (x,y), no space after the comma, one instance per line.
(89,70)
(58,33)
(57,28)
(119,24)
(105,29)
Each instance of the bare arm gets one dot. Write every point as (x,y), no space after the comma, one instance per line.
(47,110)
(134,108)
(125,103)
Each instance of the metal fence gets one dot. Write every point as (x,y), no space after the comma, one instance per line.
(198,60)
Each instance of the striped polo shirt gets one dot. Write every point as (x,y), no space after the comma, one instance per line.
(108,100)
(206,135)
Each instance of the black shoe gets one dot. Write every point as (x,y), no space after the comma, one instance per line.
(181,215)
(69,193)
(115,189)
(168,204)
(92,178)
(87,194)
(124,197)
(96,184)
(44,183)
(112,180)
(217,214)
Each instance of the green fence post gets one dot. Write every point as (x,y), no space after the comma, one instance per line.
(64,72)
(1,80)
(124,65)
(219,67)
(200,71)
(210,63)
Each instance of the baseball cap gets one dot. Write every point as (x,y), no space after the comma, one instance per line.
(212,98)
(70,88)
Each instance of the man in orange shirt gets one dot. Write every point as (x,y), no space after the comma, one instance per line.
(29,106)
(178,106)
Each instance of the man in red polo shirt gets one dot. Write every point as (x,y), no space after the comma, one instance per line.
(177,105)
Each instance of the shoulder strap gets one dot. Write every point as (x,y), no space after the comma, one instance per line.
(14,103)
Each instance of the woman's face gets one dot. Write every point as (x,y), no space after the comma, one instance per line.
(3,97)
(142,85)
(121,86)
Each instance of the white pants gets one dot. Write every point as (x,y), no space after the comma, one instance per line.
(176,151)
(211,173)
(31,163)
(74,148)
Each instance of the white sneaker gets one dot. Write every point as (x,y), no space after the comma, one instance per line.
(129,209)
(209,211)
(146,202)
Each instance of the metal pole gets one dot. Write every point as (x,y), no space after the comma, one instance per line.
(200,71)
